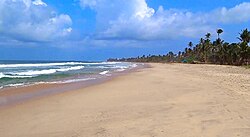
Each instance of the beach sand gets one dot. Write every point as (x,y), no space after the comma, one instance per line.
(166,100)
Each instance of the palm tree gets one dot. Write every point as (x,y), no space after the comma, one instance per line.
(245,36)
(208,35)
(207,46)
(244,49)
(224,56)
(186,52)
(233,53)
(171,56)
(202,49)
(179,54)
(190,44)
(219,31)
(248,55)
(217,47)
(217,51)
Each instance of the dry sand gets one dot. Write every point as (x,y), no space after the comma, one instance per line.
(167,100)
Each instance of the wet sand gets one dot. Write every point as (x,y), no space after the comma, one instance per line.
(176,100)
(14,95)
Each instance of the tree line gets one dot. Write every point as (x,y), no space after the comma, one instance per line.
(206,51)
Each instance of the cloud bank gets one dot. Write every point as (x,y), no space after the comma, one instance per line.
(117,21)
(32,21)
(135,20)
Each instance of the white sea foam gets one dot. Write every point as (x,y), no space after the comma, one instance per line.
(34,70)
(45,72)
(113,66)
(121,67)
(54,82)
(104,72)
(37,72)
(1,75)
(133,65)
(75,80)
(11,76)
(120,70)
(71,68)
(39,65)
(102,63)
(54,64)
(15,85)
(66,81)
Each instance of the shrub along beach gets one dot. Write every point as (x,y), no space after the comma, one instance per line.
(206,51)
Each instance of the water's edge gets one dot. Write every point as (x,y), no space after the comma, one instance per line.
(13,96)
(21,74)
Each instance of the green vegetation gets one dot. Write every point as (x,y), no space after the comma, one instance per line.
(247,66)
(206,51)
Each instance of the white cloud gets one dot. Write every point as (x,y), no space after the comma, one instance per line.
(66,31)
(237,14)
(141,10)
(39,2)
(27,20)
(88,3)
(134,19)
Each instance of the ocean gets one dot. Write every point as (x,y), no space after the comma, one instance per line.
(23,73)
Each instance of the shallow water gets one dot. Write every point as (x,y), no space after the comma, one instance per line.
(22,73)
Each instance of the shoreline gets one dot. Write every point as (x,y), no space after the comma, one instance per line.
(15,95)
(181,100)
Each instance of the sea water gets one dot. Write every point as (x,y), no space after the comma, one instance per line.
(23,73)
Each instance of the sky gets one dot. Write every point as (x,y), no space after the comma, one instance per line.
(94,30)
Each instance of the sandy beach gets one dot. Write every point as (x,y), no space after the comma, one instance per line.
(165,100)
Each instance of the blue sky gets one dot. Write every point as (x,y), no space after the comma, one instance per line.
(100,29)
